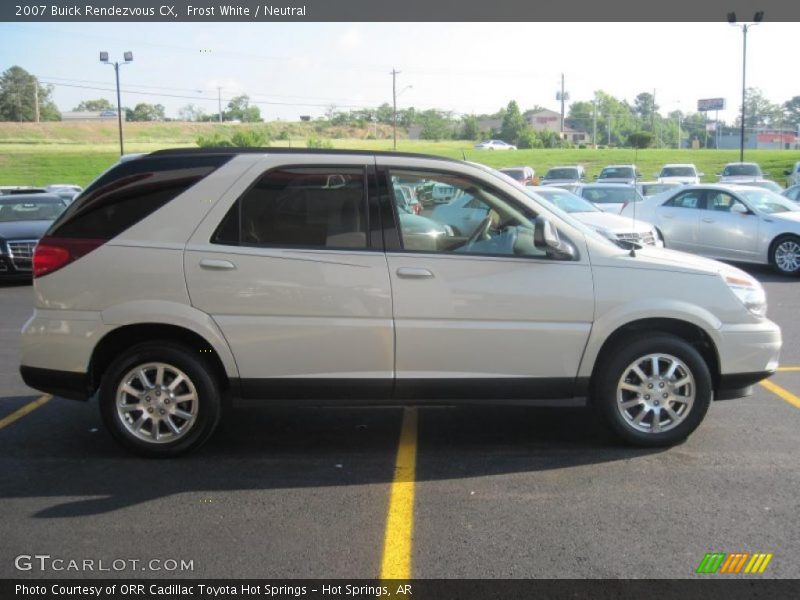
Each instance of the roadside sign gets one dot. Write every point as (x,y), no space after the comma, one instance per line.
(710,104)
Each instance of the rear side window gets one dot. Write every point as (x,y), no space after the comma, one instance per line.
(319,207)
(131,191)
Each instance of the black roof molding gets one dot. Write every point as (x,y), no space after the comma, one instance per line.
(277,150)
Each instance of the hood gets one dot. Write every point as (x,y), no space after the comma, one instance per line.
(612,222)
(673,260)
(735,178)
(790,216)
(555,181)
(23,230)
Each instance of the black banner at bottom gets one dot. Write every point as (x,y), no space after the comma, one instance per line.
(433,589)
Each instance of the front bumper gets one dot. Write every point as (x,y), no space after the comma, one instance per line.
(9,269)
(747,355)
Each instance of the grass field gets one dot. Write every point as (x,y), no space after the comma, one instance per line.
(76,153)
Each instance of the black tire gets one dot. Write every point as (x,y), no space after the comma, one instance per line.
(773,251)
(200,375)
(612,369)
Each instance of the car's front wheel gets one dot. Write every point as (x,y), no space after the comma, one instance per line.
(653,390)
(784,255)
(158,399)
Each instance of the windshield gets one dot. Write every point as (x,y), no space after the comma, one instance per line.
(30,210)
(611,195)
(651,189)
(767,185)
(617,173)
(562,174)
(678,172)
(742,171)
(517,174)
(587,231)
(567,202)
(769,202)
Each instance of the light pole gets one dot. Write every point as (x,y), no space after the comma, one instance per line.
(757,18)
(395,94)
(128,56)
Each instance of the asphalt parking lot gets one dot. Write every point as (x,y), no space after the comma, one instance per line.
(324,493)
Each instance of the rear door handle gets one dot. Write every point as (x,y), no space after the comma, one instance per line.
(668,216)
(707,220)
(414,273)
(217,264)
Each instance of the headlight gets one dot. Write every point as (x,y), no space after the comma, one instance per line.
(749,292)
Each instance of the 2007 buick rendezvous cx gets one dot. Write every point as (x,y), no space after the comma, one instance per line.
(184,277)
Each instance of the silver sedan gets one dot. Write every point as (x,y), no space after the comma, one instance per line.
(728,222)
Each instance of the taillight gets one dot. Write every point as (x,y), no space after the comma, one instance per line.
(52,253)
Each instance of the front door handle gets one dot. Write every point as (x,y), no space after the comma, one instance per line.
(217,264)
(668,216)
(414,273)
(707,220)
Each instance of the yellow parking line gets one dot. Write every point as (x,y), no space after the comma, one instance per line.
(782,393)
(396,563)
(28,408)
(788,369)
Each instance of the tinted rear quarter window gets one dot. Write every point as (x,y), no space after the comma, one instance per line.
(129,192)
(320,207)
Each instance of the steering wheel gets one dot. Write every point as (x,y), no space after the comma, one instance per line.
(480,231)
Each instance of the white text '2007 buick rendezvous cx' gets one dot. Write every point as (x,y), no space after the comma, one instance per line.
(184,278)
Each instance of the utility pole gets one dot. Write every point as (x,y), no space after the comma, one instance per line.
(36,100)
(128,56)
(562,106)
(594,125)
(744,93)
(610,118)
(219,103)
(394,73)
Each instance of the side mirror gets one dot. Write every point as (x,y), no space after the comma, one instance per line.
(787,172)
(596,176)
(701,174)
(545,237)
(740,208)
(718,174)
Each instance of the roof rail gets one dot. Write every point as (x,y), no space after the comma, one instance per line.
(279,150)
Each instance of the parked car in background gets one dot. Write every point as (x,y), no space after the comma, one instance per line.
(729,222)
(652,188)
(56,187)
(405,198)
(624,231)
(494,145)
(619,174)
(191,278)
(7,190)
(792,193)
(524,175)
(738,172)
(609,197)
(679,173)
(763,183)
(793,175)
(569,174)
(24,218)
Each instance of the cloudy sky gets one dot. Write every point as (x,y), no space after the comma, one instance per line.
(301,68)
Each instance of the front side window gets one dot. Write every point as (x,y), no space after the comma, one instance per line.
(691,199)
(474,220)
(300,207)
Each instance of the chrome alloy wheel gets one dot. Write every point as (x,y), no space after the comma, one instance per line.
(157,402)
(787,256)
(655,393)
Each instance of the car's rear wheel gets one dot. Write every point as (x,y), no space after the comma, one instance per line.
(653,390)
(158,399)
(784,255)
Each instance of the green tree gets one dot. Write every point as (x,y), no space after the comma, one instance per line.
(435,125)
(470,128)
(18,97)
(791,112)
(239,108)
(145,112)
(513,124)
(759,111)
(191,112)
(97,105)
(645,108)
(640,139)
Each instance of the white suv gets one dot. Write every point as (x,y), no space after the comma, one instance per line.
(185,278)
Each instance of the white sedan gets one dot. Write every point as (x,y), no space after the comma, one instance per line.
(728,222)
(494,145)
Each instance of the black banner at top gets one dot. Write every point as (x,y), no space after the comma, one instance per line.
(397,11)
